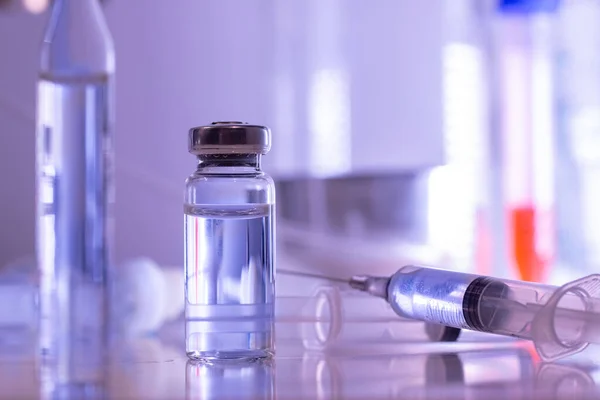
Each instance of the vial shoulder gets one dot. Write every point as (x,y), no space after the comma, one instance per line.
(259,177)
(223,189)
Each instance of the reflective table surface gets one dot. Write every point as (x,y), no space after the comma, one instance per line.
(148,368)
(331,343)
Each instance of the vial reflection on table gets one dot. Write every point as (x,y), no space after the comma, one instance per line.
(234,380)
(508,373)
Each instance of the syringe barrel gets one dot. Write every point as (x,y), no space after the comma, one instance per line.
(467,301)
(336,319)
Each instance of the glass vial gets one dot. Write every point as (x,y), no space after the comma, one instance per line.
(229,245)
(74,185)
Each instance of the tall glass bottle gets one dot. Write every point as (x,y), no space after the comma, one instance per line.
(74,182)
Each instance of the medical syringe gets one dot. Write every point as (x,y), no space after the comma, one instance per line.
(559,320)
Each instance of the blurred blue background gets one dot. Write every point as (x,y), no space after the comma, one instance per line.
(463,134)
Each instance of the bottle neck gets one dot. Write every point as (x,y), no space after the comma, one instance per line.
(77,9)
(223,162)
(77,41)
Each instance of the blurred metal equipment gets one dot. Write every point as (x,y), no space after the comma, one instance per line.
(358,206)
(345,224)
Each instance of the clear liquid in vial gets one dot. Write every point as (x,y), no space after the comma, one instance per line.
(230,283)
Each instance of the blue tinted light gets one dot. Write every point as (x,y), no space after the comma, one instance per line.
(528,6)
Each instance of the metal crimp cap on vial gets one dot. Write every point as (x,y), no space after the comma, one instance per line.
(229,138)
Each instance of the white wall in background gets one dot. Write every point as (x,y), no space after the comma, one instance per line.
(188,62)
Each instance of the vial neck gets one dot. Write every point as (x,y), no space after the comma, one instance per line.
(77,42)
(218,162)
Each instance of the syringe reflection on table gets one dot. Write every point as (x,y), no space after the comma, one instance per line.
(509,373)
(498,374)
(408,376)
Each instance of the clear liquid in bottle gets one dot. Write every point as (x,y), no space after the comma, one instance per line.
(74,157)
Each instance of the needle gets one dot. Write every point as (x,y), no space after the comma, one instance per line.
(311,275)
